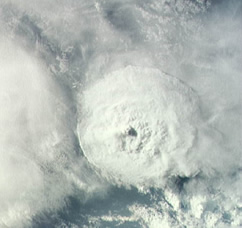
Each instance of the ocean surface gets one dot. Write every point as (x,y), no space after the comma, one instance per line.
(120,113)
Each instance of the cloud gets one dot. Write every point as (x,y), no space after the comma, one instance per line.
(40,166)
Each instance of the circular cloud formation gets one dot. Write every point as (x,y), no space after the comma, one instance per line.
(138,125)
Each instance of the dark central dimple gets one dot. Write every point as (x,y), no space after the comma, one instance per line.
(132,132)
